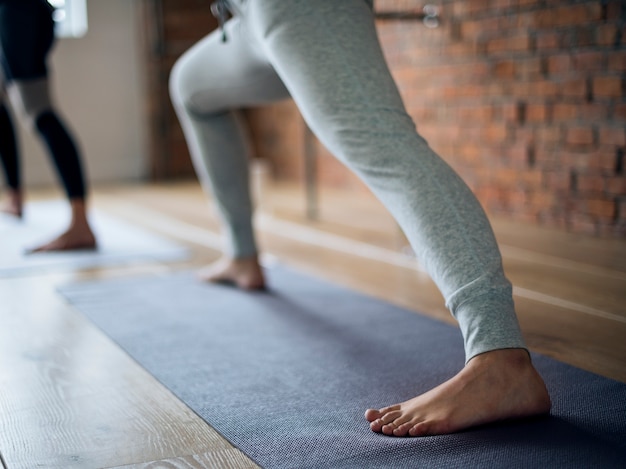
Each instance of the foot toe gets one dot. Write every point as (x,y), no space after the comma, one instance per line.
(403,429)
(376,426)
(371,415)
(419,429)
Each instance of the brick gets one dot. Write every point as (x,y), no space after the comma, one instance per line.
(614,9)
(518,155)
(579,136)
(559,64)
(594,111)
(494,133)
(603,159)
(574,160)
(612,136)
(504,69)
(607,34)
(547,159)
(530,67)
(489,133)
(547,41)
(538,88)
(586,61)
(512,112)
(475,113)
(459,9)
(557,181)
(471,154)
(616,61)
(616,185)
(475,29)
(462,49)
(582,36)
(607,87)
(590,183)
(537,113)
(601,208)
(565,112)
(477,6)
(548,135)
(569,15)
(502,5)
(583,111)
(541,199)
(517,43)
(619,112)
(575,88)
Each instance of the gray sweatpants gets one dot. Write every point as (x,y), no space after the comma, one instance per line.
(325,54)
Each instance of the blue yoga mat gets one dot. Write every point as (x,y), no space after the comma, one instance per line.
(286,375)
(118,242)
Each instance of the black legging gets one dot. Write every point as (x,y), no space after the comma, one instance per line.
(26,37)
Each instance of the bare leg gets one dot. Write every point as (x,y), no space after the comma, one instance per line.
(245,273)
(77,236)
(493,386)
(14,205)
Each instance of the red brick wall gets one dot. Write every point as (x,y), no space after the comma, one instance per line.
(524,98)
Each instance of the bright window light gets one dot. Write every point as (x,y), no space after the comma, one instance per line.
(70,17)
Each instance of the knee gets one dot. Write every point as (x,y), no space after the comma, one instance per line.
(180,85)
(30,98)
(177,89)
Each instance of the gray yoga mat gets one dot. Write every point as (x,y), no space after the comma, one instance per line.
(286,375)
(118,242)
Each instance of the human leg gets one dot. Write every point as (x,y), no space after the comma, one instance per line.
(328,56)
(32,98)
(10,163)
(207,86)
(26,37)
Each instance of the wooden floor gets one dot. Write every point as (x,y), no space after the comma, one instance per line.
(70,398)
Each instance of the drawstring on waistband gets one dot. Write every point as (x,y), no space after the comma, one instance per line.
(220,10)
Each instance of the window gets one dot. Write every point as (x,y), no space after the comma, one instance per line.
(70,17)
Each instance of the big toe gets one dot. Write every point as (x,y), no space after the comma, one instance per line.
(372,414)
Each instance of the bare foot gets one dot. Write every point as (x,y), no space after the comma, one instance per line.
(14,205)
(493,386)
(75,238)
(245,273)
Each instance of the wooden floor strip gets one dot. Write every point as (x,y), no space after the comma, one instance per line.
(306,234)
(554,301)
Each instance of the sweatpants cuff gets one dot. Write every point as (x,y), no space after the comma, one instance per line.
(488,322)
(240,241)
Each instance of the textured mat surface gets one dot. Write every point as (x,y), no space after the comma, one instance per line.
(119,242)
(286,375)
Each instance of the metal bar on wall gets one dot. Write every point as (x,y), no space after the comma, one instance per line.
(310,174)
(428,15)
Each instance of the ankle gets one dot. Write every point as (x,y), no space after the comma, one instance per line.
(515,358)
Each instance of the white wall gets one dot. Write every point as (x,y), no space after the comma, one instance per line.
(98,87)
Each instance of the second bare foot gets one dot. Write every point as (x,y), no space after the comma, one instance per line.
(75,238)
(245,273)
(493,386)
(13,206)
